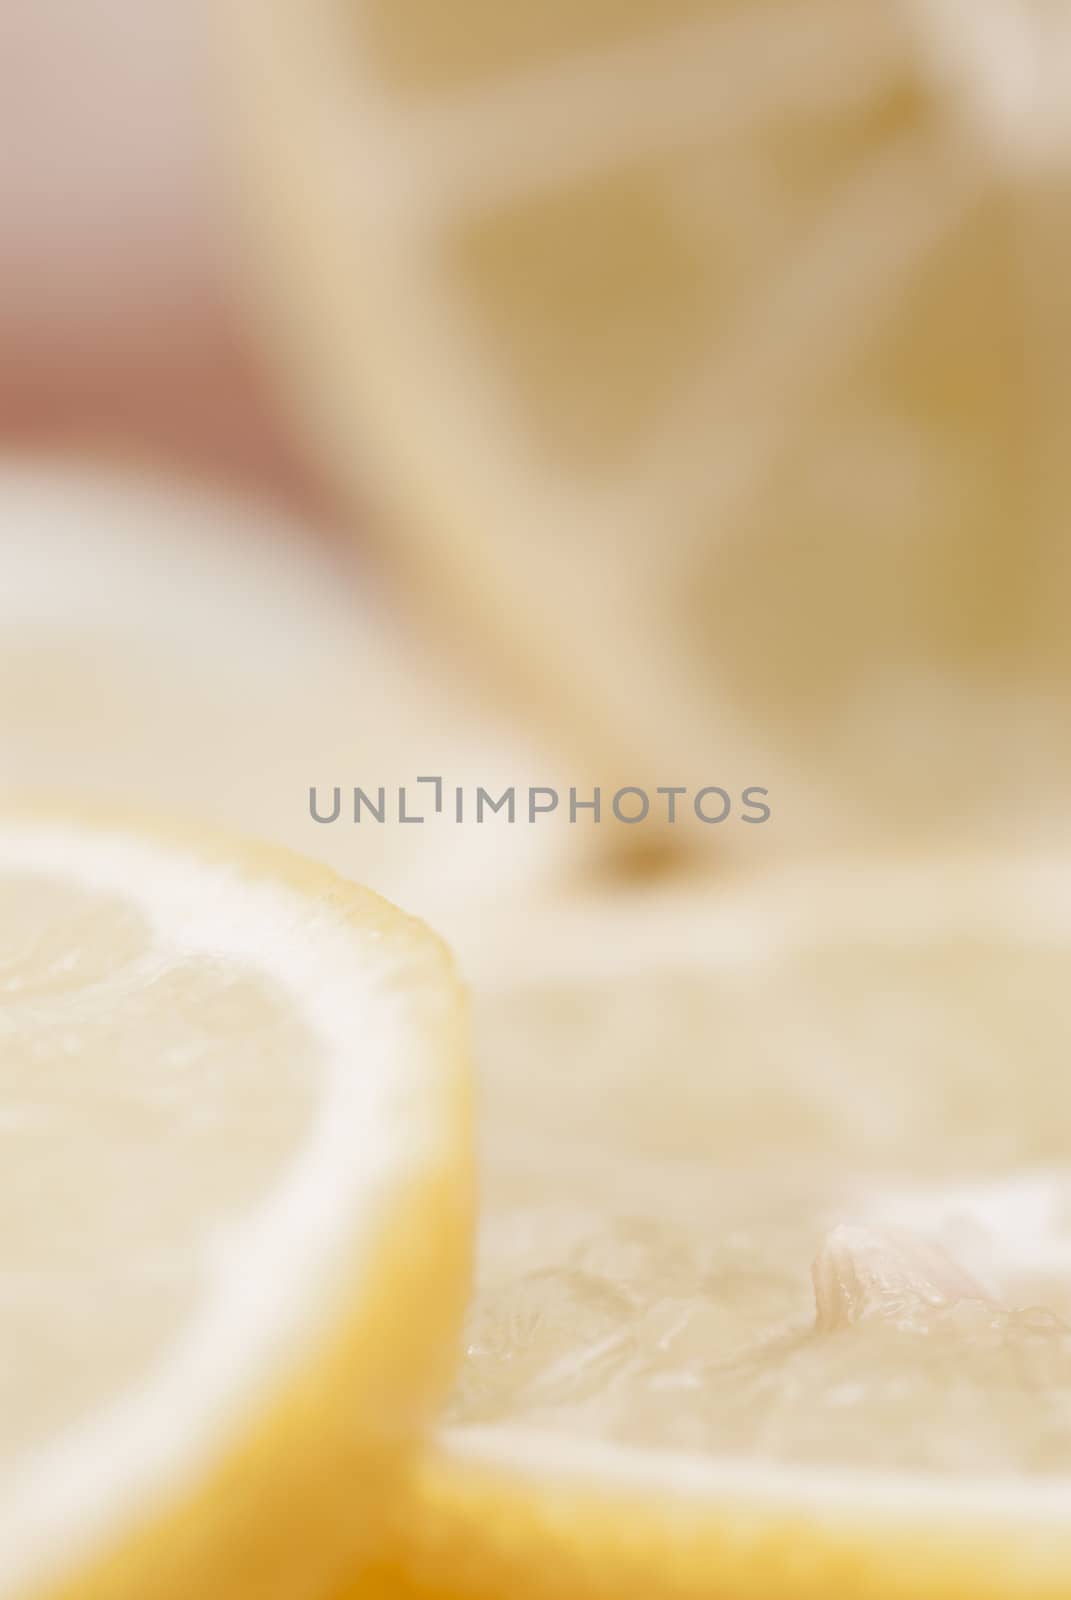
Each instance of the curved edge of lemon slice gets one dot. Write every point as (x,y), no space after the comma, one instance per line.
(257,1458)
(513,1518)
(536,1512)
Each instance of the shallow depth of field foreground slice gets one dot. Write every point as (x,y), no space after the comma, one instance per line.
(711,355)
(234,1212)
(774,1293)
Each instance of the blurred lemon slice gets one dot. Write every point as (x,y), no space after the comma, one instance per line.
(203,655)
(774,1292)
(235,1198)
(710,353)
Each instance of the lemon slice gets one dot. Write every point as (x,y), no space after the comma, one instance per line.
(234,1195)
(163,648)
(711,355)
(774,1292)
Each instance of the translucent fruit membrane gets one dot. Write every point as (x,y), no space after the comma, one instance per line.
(125,1066)
(810,1210)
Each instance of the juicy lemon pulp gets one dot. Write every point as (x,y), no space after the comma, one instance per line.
(806,1206)
(233,1119)
(125,1074)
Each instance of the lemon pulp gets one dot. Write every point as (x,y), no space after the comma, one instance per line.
(233,1118)
(805,1204)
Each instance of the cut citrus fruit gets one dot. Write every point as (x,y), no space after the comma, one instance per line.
(711,353)
(199,655)
(235,1209)
(774,1292)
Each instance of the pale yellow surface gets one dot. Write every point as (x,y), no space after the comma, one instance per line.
(147,1102)
(774,1284)
(202,656)
(234,1210)
(667,1152)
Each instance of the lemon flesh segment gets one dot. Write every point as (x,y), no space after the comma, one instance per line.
(775,1245)
(711,353)
(233,1131)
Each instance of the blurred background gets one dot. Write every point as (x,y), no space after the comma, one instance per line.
(123,324)
(712,429)
(190,618)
